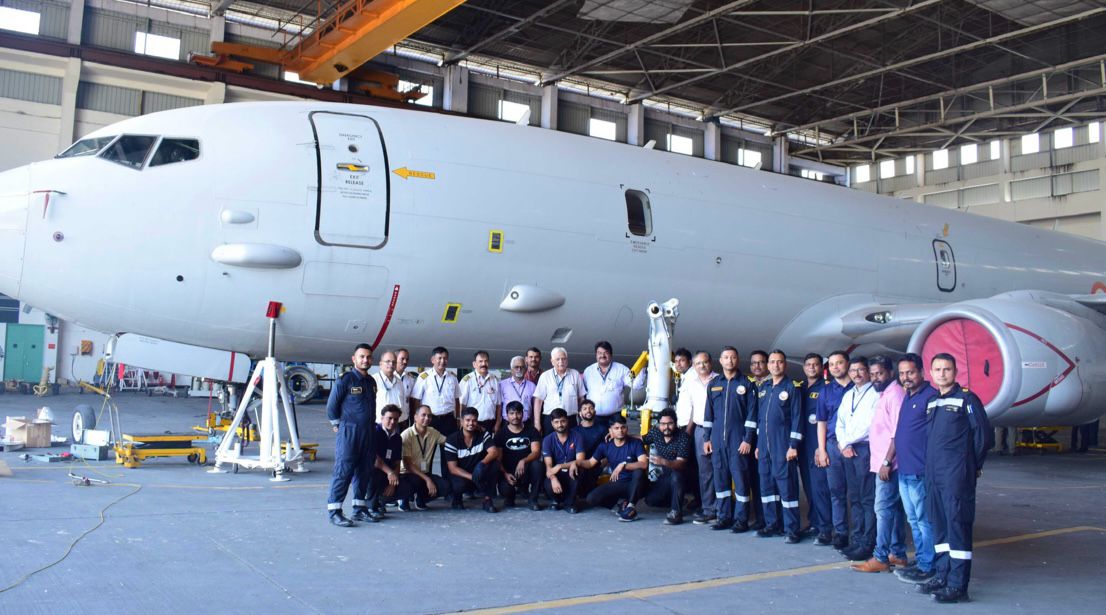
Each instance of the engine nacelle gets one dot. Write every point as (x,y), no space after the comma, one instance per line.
(1033,358)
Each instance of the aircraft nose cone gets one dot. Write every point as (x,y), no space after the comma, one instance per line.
(14,198)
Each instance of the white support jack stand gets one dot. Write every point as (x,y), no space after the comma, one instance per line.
(270,457)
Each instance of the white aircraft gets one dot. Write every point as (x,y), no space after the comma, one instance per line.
(403,227)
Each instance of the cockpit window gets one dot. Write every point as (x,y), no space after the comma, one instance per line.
(175,150)
(130,150)
(86,147)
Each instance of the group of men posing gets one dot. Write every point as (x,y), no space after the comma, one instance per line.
(873,452)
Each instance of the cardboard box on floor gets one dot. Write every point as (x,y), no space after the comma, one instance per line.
(33,433)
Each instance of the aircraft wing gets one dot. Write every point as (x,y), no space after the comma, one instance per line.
(1096,302)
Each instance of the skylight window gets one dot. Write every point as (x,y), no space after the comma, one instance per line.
(940,159)
(157,45)
(16,20)
(602,129)
(886,169)
(1031,143)
(427,100)
(748,157)
(1063,137)
(680,145)
(512,111)
(969,154)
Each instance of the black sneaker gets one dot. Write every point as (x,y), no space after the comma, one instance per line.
(914,575)
(757,525)
(931,586)
(628,513)
(792,539)
(489,506)
(948,595)
(809,530)
(457,505)
(534,505)
(618,506)
(340,520)
(860,554)
(740,527)
(703,518)
(571,510)
(823,540)
(404,506)
(768,532)
(721,524)
(840,541)
(674,517)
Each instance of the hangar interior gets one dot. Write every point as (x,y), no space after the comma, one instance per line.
(987,106)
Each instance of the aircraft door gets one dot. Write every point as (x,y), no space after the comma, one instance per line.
(353,191)
(946,265)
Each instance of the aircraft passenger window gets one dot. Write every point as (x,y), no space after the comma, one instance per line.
(86,147)
(175,150)
(130,150)
(639,213)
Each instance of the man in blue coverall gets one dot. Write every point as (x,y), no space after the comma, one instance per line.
(731,421)
(813,476)
(959,437)
(351,410)
(778,440)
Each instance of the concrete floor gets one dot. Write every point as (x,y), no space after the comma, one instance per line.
(177,539)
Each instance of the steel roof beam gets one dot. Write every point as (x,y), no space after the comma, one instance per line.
(921,59)
(798,45)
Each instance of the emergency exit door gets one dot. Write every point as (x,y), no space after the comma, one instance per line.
(23,348)
(946,265)
(353,184)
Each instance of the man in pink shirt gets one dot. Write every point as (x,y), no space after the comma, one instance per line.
(890,549)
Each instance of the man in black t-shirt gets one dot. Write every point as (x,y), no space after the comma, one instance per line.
(472,460)
(669,451)
(592,433)
(522,464)
(385,485)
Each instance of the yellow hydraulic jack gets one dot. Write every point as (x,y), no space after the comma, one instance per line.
(132,449)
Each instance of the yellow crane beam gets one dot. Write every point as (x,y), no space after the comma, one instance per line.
(357,32)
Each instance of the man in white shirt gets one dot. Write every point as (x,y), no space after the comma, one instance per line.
(391,389)
(403,357)
(690,415)
(437,388)
(854,417)
(558,387)
(605,380)
(480,389)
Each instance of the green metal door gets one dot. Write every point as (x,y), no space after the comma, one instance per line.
(23,348)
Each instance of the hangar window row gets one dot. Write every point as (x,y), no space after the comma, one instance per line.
(974,153)
(18,20)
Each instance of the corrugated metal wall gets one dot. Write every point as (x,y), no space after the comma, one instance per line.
(109,99)
(1033,188)
(156,101)
(980,195)
(109,29)
(950,199)
(28,86)
(573,118)
(484,101)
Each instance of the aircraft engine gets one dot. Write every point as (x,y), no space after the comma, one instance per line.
(1034,359)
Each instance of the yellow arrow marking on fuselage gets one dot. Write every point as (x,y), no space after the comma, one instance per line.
(404,172)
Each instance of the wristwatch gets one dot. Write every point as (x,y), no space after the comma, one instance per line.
(886,463)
